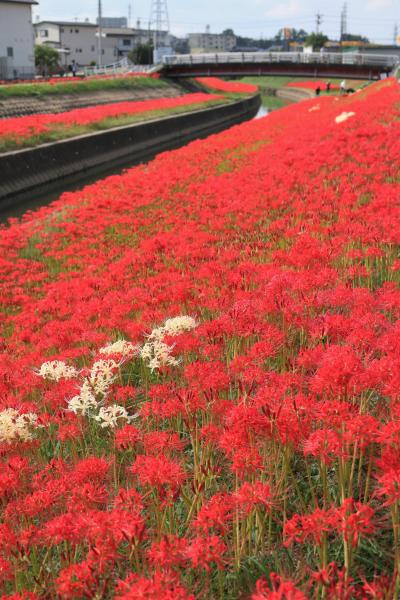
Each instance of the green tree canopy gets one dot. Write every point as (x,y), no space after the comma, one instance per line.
(316,40)
(142,54)
(46,57)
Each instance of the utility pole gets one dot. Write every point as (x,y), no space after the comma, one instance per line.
(318,22)
(343,21)
(100,33)
(129,14)
(159,19)
(395,34)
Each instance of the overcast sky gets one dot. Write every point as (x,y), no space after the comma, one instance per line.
(374,18)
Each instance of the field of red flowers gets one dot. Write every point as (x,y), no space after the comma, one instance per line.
(229,87)
(20,129)
(200,370)
(312,85)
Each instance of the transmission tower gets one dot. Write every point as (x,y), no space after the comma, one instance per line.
(159,21)
(318,22)
(343,21)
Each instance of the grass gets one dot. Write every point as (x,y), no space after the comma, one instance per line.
(82,86)
(275,82)
(59,133)
(273,102)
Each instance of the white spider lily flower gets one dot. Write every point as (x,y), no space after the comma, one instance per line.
(313,108)
(344,116)
(179,325)
(157,354)
(15,426)
(123,347)
(56,370)
(110,416)
(102,375)
(84,403)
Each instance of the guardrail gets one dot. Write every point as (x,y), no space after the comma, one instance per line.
(334,58)
(122,66)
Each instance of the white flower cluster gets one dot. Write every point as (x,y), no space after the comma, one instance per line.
(316,107)
(95,387)
(111,415)
(123,347)
(14,426)
(344,116)
(156,353)
(56,370)
(102,375)
(85,402)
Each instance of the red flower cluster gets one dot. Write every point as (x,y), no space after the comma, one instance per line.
(200,372)
(230,87)
(25,127)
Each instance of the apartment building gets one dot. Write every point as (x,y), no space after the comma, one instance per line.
(79,40)
(76,40)
(204,43)
(17,56)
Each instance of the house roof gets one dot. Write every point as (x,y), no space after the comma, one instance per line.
(19,2)
(67,23)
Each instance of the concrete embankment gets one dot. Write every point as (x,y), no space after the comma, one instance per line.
(15,106)
(29,171)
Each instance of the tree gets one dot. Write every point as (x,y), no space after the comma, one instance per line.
(228,32)
(350,37)
(142,54)
(46,58)
(316,40)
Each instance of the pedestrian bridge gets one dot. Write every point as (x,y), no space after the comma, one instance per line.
(317,64)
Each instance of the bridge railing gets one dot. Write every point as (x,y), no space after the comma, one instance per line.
(337,58)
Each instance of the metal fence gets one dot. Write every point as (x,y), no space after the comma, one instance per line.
(334,58)
(122,66)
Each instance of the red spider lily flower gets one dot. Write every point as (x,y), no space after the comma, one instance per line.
(171,551)
(252,495)
(279,589)
(216,514)
(163,585)
(159,472)
(127,437)
(77,581)
(205,551)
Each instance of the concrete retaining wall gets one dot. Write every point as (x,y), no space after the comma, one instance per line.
(27,170)
(294,94)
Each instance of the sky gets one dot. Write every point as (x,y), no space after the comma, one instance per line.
(374,18)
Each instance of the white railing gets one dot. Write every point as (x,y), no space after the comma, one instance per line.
(334,58)
(122,66)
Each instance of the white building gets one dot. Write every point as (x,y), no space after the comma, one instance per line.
(200,43)
(78,41)
(17,56)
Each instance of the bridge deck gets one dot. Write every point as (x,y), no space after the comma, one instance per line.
(354,65)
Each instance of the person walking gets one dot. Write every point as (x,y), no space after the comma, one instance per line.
(74,68)
(343,87)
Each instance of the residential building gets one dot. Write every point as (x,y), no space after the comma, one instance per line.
(78,41)
(17,56)
(203,43)
(113,22)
